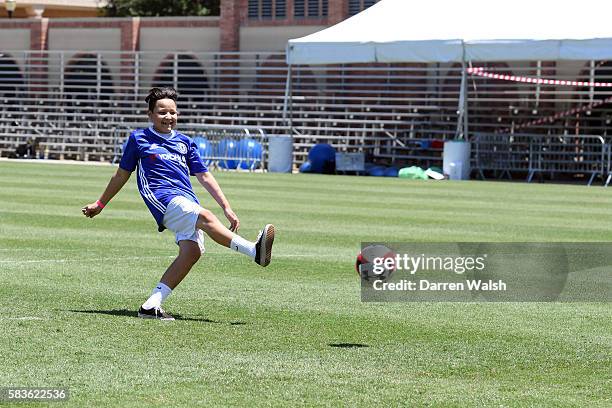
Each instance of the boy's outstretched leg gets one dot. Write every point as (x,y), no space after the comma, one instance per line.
(260,250)
(189,253)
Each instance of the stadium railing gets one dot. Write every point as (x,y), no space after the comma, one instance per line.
(72,101)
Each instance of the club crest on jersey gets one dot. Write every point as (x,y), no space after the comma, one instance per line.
(181,148)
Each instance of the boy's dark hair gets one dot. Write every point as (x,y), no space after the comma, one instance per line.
(155,94)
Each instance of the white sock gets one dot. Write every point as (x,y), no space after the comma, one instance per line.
(243,246)
(160,293)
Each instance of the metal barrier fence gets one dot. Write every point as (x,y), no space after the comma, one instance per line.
(545,154)
(221,147)
(609,168)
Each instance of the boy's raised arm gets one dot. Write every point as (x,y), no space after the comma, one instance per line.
(208,181)
(114,185)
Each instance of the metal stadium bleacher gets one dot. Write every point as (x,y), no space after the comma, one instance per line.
(80,105)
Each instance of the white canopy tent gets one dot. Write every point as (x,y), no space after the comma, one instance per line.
(469,30)
(460,31)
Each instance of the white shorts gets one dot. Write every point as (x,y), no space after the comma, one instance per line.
(181,217)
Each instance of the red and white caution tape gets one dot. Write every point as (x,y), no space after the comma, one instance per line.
(560,115)
(479,71)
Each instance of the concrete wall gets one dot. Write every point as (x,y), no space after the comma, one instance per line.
(272,38)
(80,41)
(14,39)
(179,39)
(169,40)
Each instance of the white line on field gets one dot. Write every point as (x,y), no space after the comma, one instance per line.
(44,161)
(131,258)
(22,318)
(32,249)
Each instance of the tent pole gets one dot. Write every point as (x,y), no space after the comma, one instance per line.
(288,96)
(461,105)
(461,122)
(466,121)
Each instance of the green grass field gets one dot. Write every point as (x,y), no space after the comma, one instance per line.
(247,336)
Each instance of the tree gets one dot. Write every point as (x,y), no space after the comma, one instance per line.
(160,8)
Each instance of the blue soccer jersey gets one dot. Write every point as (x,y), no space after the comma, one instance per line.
(164,164)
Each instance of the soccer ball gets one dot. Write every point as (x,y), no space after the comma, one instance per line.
(370,268)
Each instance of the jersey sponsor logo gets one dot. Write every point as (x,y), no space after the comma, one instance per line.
(173,157)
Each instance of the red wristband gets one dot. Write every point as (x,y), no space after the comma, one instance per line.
(100,204)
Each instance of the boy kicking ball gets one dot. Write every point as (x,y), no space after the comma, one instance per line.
(164,159)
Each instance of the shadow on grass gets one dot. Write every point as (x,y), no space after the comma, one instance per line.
(348,345)
(134,314)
